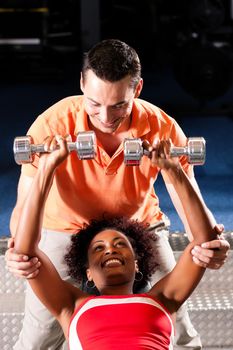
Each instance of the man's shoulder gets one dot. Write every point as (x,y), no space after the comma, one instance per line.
(62,111)
(67,103)
(152,110)
(140,103)
(59,118)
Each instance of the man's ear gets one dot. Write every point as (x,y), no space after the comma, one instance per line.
(138,89)
(81,82)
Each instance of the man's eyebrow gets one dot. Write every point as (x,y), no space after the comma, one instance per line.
(91,99)
(117,104)
(120,103)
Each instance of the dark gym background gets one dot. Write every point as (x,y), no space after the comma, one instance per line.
(187,57)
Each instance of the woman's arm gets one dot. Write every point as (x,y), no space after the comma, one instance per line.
(58,296)
(177,203)
(214,255)
(176,287)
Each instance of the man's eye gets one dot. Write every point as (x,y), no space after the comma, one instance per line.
(118,106)
(93,104)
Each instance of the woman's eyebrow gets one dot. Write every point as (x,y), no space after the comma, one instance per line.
(100,240)
(114,239)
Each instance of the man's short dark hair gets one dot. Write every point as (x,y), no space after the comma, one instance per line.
(112,60)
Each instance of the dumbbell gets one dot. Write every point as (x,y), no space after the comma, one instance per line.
(24,149)
(195,150)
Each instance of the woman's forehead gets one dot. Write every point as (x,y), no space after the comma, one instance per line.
(109,234)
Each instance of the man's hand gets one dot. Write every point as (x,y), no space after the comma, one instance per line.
(20,265)
(212,254)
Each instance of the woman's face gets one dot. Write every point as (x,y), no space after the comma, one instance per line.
(111,260)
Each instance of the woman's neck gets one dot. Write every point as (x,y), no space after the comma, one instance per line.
(116,290)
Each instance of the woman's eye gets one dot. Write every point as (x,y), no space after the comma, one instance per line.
(98,248)
(120,244)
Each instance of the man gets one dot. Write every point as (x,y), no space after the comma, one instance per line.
(85,189)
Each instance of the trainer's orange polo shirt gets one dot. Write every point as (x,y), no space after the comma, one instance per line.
(87,189)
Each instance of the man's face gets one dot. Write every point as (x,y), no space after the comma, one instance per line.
(108,104)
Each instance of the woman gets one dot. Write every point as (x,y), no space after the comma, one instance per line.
(112,254)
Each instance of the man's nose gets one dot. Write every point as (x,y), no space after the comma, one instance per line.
(105,116)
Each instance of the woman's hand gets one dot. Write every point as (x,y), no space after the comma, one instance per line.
(159,154)
(56,151)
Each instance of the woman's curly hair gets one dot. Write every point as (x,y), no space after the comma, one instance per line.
(141,239)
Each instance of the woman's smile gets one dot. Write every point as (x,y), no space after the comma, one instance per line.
(112,262)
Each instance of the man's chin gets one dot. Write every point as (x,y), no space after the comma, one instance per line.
(110,129)
(109,132)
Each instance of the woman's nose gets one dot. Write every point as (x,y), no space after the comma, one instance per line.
(110,250)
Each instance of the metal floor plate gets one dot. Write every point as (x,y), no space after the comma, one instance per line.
(210,306)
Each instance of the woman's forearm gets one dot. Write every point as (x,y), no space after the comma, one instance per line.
(30,221)
(197,214)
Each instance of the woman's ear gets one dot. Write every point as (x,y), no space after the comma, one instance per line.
(136,266)
(88,273)
(138,89)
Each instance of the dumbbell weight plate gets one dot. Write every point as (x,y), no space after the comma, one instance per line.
(86,145)
(197,150)
(22,149)
(133,151)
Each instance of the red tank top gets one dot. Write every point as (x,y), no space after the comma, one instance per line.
(126,322)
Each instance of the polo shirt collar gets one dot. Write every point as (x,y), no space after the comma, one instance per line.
(140,125)
(81,119)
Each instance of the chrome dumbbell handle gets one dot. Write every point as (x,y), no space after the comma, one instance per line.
(24,149)
(178,151)
(83,145)
(40,148)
